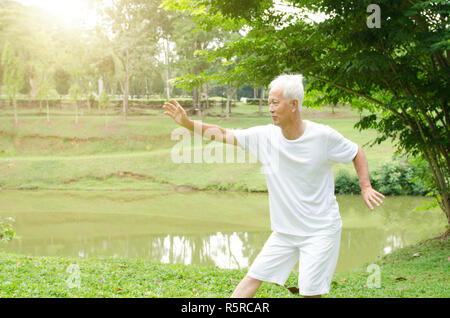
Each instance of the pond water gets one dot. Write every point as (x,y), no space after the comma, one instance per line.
(224,229)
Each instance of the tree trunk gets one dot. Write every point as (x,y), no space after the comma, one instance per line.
(166,55)
(146,88)
(15,111)
(228,106)
(446,203)
(263,93)
(100,85)
(230,93)
(34,88)
(127,88)
(89,103)
(48,111)
(221,101)
(76,113)
(205,94)
(195,101)
(255,92)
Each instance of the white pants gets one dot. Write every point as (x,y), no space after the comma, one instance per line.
(317,256)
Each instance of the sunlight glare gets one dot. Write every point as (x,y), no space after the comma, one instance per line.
(70,11)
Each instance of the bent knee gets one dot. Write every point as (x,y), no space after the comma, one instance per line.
(251,280)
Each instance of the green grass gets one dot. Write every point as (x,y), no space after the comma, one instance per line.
(421,270)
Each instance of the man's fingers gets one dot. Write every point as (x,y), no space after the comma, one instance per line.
(374,201)
(169,106)
(368,204)
(378,199)
(169,114)
(372,197)
(377,196)
(175,102)
(378,193)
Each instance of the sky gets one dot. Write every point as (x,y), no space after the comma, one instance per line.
(70,11)
(79,12)
(75,11)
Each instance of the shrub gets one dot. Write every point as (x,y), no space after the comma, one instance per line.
(6,229)
(400,176)
(255,101)
(103,101)
(346,183)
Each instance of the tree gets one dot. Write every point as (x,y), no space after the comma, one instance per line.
(31,38)
(103,103)
(192,82)
(45,92)
(189,41)
(62,80)
(13,75)
(135,27)
(261,99)
(232,77)
(75,96)
(398,72)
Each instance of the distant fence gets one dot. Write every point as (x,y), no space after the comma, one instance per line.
(116,103)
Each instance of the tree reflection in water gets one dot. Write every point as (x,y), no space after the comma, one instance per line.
(235,250)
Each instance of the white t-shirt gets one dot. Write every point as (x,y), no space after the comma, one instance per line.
(299,175)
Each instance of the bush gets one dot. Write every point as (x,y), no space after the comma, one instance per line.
(346,183)
(6,229)
(255,101)
(26,102)
(398,177)
(103,101)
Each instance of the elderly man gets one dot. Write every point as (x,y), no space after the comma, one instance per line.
(304,213)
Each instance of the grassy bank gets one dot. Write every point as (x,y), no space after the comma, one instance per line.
(421,270)
(95,154)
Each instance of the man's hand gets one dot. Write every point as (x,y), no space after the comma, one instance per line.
(370,195)
(177,113)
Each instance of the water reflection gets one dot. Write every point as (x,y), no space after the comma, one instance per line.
(224,250)
(392,242)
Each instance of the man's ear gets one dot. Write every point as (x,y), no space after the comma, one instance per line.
(294,104)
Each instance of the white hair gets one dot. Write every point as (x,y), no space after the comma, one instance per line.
(292,87)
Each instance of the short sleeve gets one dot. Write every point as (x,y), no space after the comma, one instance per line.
(249,139)
(339,148)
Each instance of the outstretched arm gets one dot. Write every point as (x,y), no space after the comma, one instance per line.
(362,169)
(212,132)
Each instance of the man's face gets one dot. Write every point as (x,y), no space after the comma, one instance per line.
(279,107)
